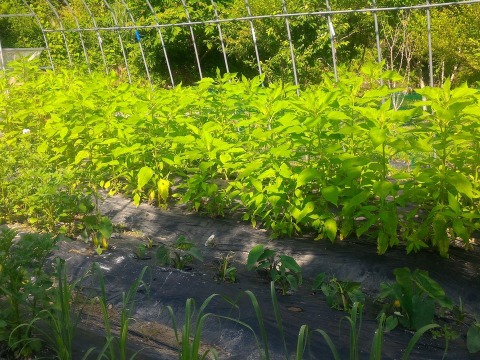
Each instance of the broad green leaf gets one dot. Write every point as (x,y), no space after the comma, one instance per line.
(460,229)
(136,199)
(309,207)
(105,227)
(163,187)
(432,288)
(382,242)
(269,173)
(225,158)
(338,115)
(307,175)
(289,263)
(330,229)
(391,75)
(378,136)
(195,252)
(257,184)
(283,150)
(454,204)
(81,155)
(143,177)
(285,171)
(391,323)
(463,92)
(382,188)
(292,281)
(121,150)
(357,200)
(366,225)
(250,169)
(163,256)
(461,183)
(440,237)
(318,281)
(254,255)
(423,310)
(330,193)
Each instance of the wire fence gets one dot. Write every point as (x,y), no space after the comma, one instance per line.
(120,28)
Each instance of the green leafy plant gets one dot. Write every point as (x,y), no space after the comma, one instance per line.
(221,146)
(413,297)
(116,347)
(305,335)
(63,318)
(141,252)
(189,339)
(341,295)
(100,229)
(56,324)
(181,254)
(225,270)
(282,269)
(24,287)
(447,333)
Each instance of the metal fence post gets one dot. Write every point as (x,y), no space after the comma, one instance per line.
(193,39)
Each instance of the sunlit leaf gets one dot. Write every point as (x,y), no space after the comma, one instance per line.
(461,183)
(330,193)
(143,177)
(330,229)
(307,175)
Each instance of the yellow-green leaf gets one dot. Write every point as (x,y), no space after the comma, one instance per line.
(330,193)
(330,229)
(143,177)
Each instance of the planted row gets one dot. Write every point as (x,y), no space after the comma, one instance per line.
(44,309)
(342,159)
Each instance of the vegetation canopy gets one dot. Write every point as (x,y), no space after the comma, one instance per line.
(340,160)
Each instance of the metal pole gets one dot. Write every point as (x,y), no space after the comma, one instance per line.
(99,38)
(429,36)
(43,33)
(377,37)
(1,57)
(139,44)
(162,42)
(332,41)
(292,53)
(193,39)
(254,37)
(62,29)
(80,34)
(114,17)
(220,34)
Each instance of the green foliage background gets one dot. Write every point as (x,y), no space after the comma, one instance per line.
(455,36)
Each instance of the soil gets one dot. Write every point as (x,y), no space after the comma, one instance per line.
(349,260)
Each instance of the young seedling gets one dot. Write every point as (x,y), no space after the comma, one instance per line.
(413,297)
(341,295)
(282,269)
(100,229)
(225,271)
(180,255)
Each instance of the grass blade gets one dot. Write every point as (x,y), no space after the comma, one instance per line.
(258,313)
(416,337)
(301,342)
(278,318)
(330,344)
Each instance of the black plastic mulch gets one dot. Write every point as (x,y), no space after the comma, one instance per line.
(348,260)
